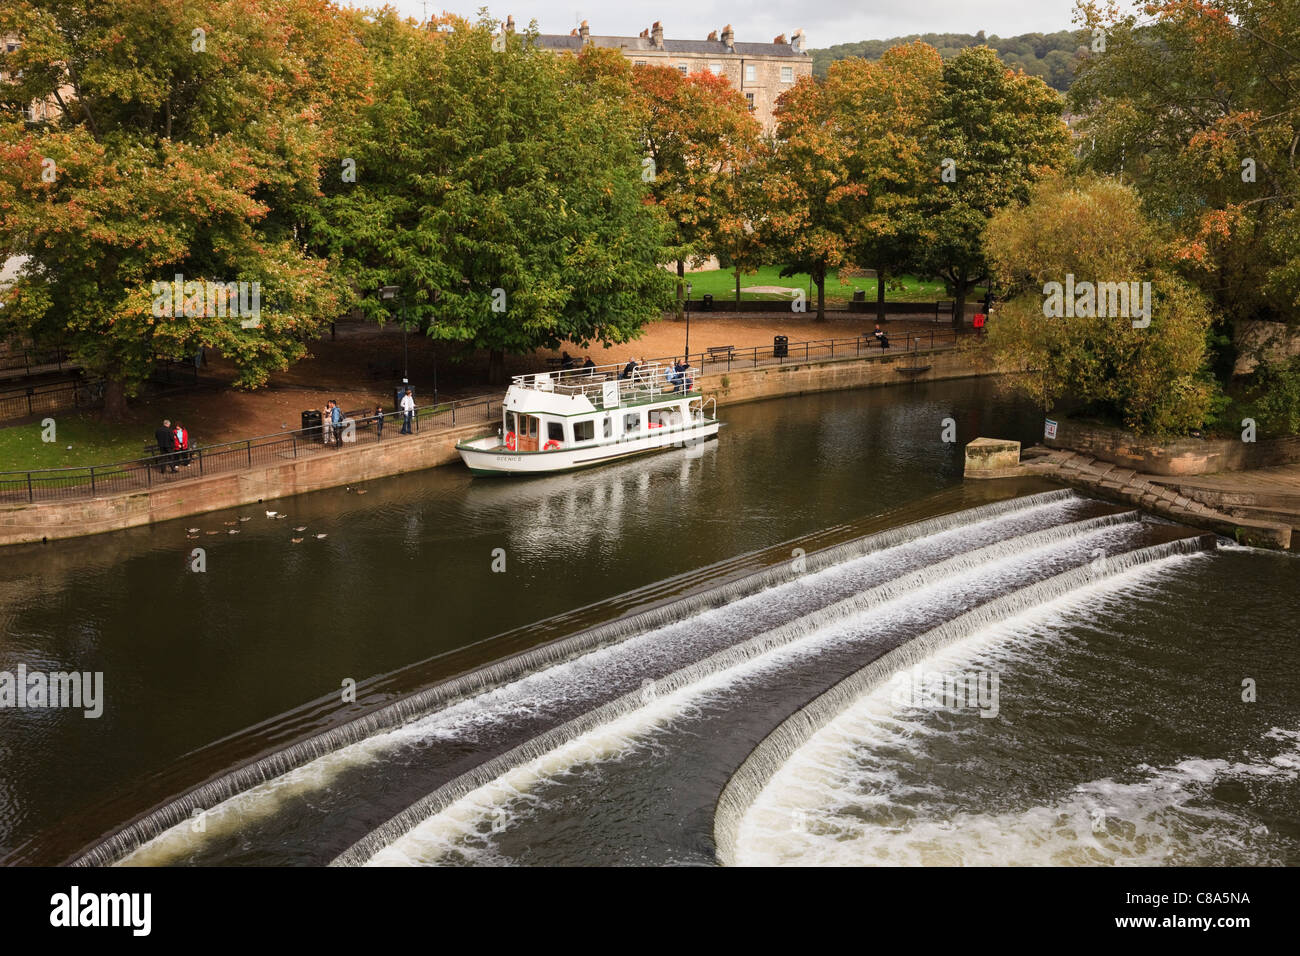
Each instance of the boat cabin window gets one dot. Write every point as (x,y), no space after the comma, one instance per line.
(584,431)
(609,426)
(632,422)
(510,422)
(555,431)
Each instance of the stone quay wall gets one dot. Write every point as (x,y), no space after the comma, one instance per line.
(352,465)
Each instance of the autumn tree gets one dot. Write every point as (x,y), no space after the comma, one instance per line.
(189,141)
(887,106)
(699,136)
(501,190)
(995,132)
(1195,104)
(1090,242)
(813,200)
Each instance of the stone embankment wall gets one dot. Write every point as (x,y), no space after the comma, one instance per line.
(1187,456)
(352,465)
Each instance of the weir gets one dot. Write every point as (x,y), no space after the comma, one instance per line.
(731,657)
(392,716)
(745,784)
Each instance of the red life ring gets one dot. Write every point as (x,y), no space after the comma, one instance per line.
(656,424)
(549,445)
(510,441)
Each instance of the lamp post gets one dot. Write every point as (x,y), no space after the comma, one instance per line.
(688,323)
(387,293)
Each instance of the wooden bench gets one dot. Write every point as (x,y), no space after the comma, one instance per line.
(717,352)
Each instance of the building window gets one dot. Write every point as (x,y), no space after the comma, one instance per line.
(682,68)
(749,100)
(787,74)
(751,73)
(715,69)
(638,62)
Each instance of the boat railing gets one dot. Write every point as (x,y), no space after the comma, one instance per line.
(646,381)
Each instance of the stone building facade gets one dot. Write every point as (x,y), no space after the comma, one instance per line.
(759,71)
(41,111)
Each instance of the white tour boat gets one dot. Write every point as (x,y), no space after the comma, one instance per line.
(557,421)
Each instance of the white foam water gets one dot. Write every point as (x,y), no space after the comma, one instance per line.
(841,798)
(1026,604)
(575,668)
(429,829)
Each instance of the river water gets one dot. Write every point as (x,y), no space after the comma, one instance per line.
(1121,733)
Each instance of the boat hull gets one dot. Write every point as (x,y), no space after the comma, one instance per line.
(485,457)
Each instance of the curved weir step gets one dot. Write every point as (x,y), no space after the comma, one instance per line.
(506,777)
(249,793)
(745,784)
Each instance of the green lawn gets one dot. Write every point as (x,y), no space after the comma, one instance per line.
(721,284)
(92,443)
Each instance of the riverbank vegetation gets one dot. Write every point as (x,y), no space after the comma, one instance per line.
(518,199)
(1192,184)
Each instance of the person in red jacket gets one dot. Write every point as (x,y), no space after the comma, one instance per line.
(182,444)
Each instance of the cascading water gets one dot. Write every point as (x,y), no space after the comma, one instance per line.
(254,790)
(1167,760)
(592,736)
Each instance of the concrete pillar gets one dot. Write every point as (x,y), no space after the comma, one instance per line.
(992,458)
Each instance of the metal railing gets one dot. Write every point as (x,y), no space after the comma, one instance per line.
(36,399)
(706,363)
(34,360)
(142,474)
(361,427)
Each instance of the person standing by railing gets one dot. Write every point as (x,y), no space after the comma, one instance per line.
(379,421)
(408,413)
(166,439)
(182,444)
(336,422)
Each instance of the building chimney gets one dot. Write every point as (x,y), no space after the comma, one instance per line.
(797,40)
(573,32)
(713,35)
(644,34)
(729,37)
(657,35)
(584,31)
(779,39)
(510,24)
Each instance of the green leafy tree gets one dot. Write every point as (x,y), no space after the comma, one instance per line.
(995,133)
(502,190)
(1146,371)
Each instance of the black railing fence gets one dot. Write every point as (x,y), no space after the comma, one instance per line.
(25,401)
(362,427)
(359,427)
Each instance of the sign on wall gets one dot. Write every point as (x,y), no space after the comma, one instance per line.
(1049,428)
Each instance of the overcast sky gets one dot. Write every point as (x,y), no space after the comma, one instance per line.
(758,21)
